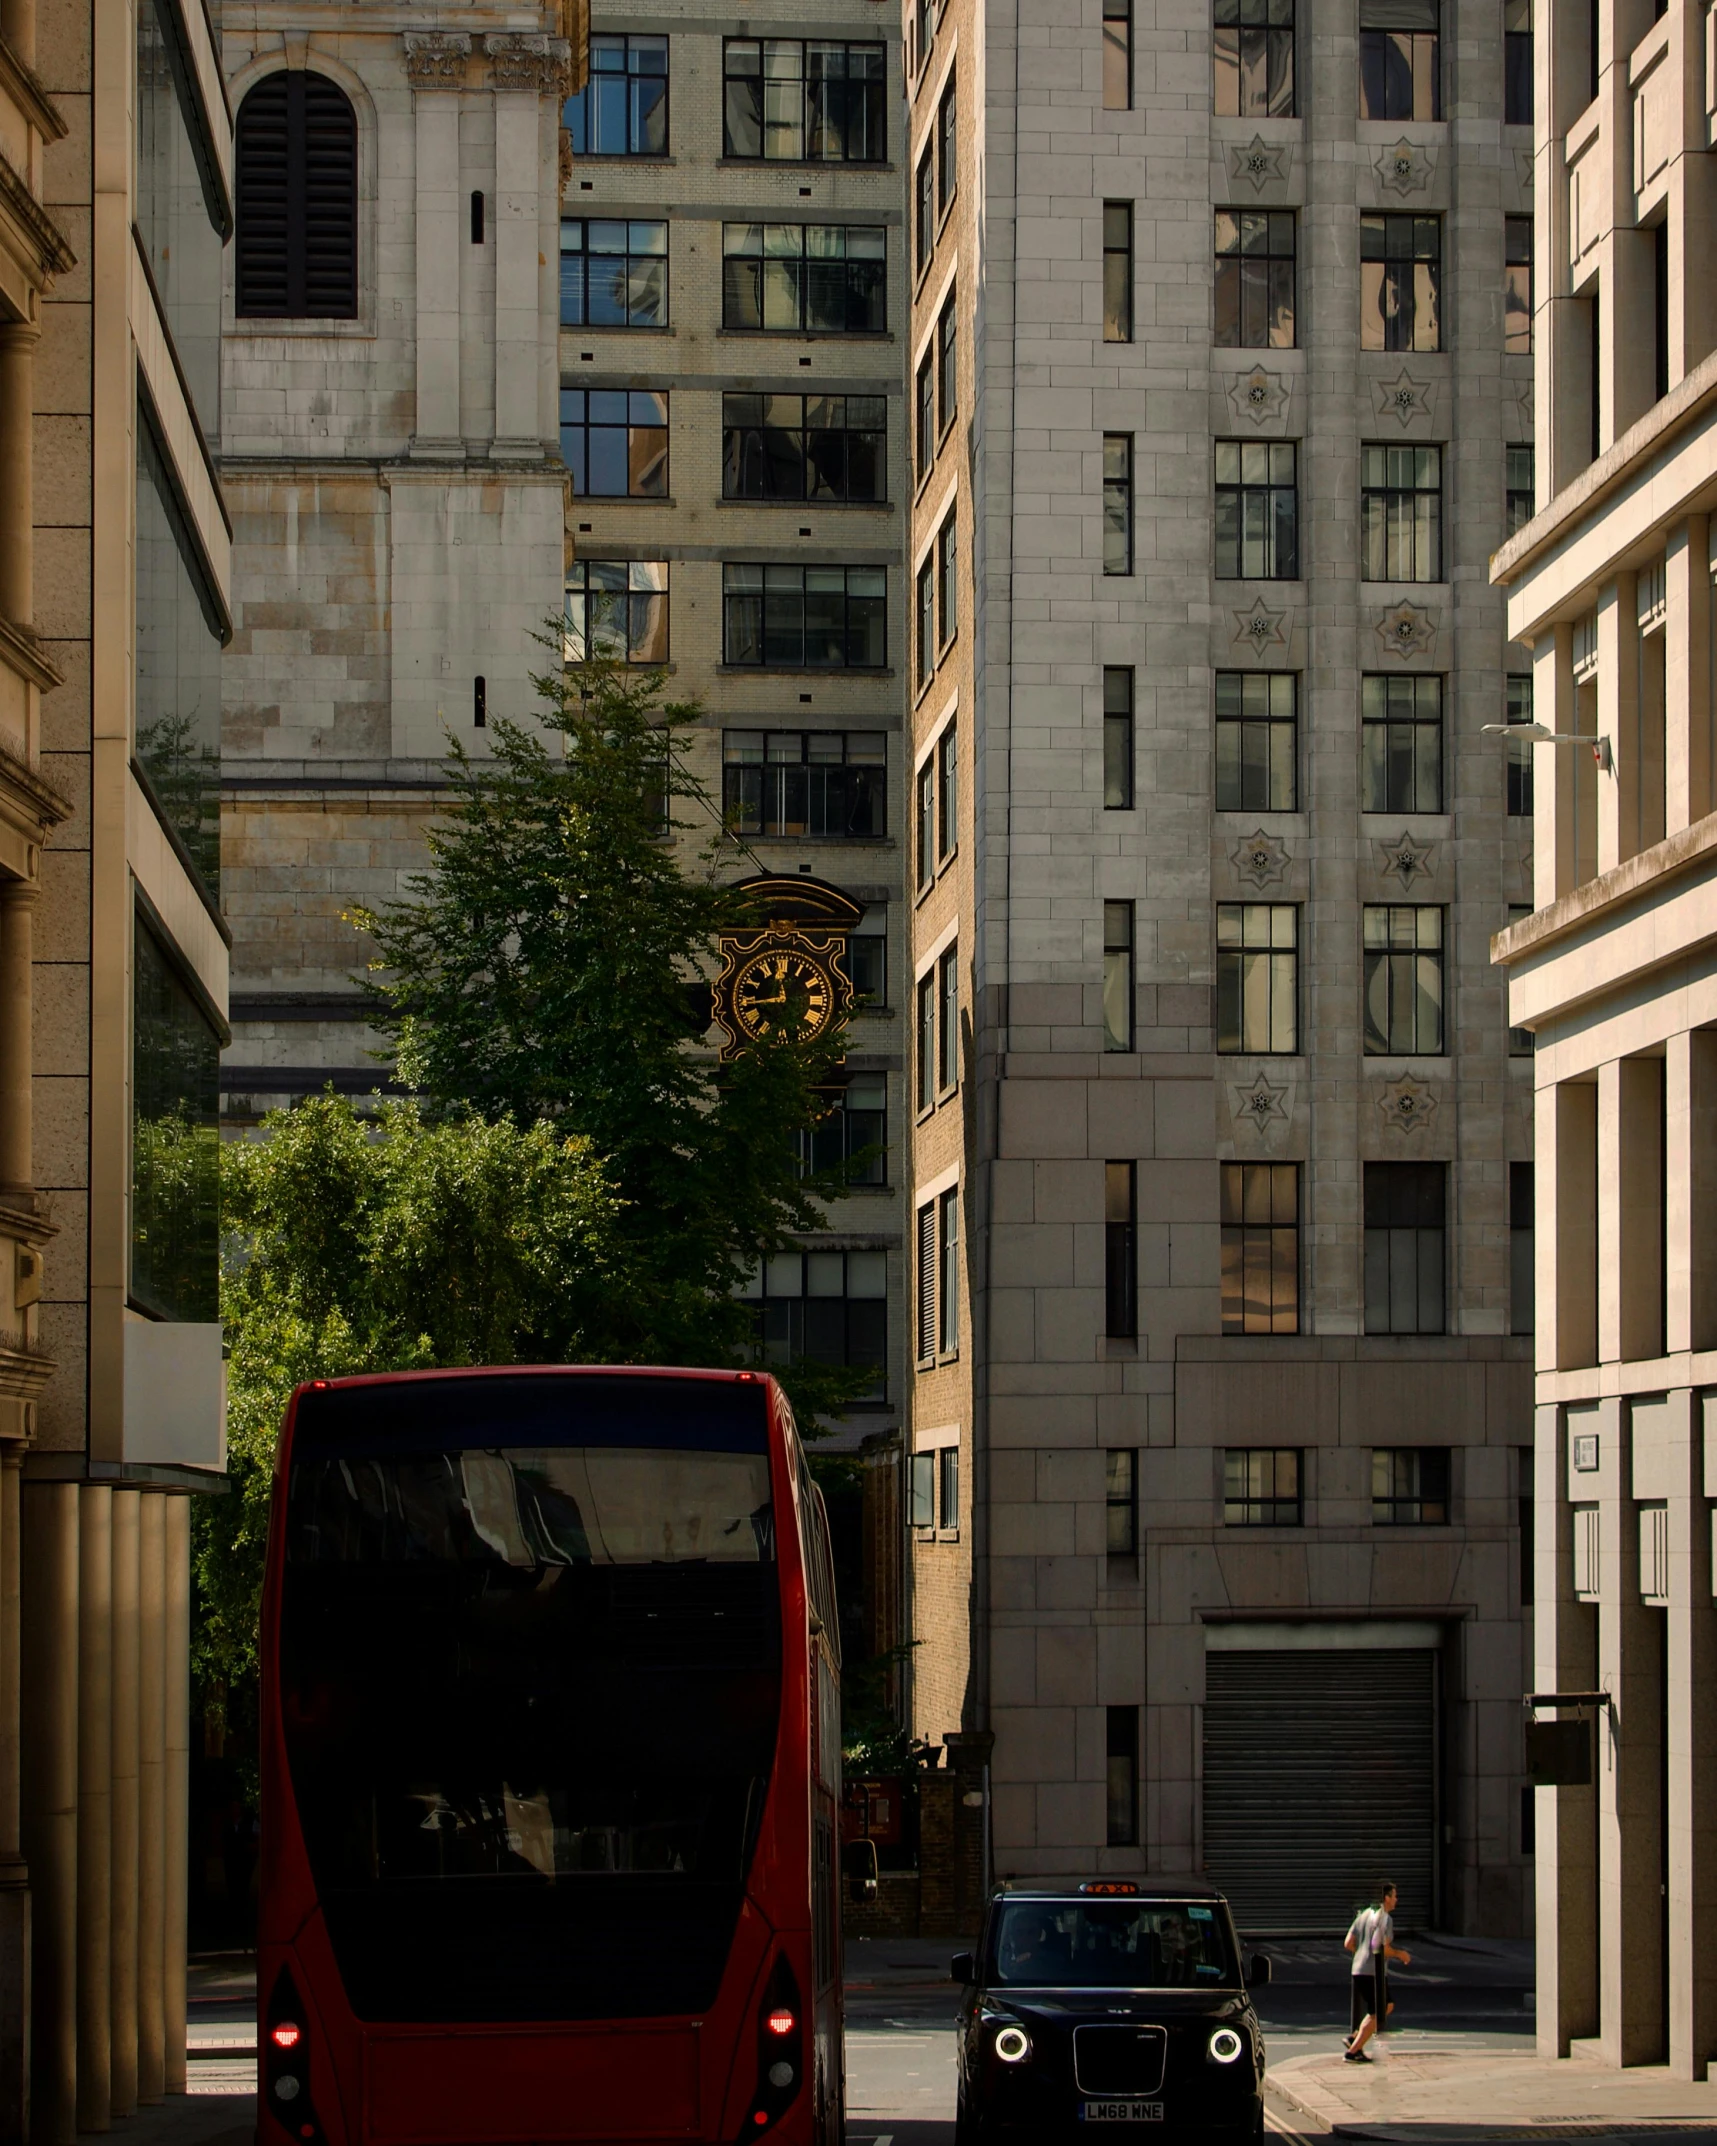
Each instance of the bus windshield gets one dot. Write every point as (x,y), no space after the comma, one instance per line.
(530,1686)
(1113,1944)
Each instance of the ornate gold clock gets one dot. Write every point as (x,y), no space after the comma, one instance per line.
(788,974)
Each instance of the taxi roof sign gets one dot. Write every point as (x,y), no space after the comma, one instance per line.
(1108,1885)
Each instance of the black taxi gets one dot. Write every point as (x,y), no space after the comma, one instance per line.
(1115,2001)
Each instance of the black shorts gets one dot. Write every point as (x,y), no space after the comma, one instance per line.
(1370,1997)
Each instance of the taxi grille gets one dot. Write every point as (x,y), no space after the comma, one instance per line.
(1119,2060)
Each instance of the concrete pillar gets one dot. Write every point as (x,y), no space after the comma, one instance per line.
(1553,861)
(50,1800)
(1692,1797)
(1630,1802)
(1692,198)
(518,249)
(1690,1180)
(176,1779)
(1562,336)
(1687,674)
(1566,1251)
(14,1873)
(122,1977)
(1565,1659)
(151,1797)
(1630,1209)
(17,500)
(437,430)
(1617,716)
(17,918)
(95,1808)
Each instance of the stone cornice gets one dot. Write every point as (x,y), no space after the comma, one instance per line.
(23,652)
(53,257)
(1654,868)
(27,93)
(47,808)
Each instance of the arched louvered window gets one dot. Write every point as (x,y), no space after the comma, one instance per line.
(297,246)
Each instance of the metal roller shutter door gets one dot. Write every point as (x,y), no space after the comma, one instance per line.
(1320,1776)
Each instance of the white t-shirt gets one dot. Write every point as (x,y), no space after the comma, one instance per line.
(1373,1928)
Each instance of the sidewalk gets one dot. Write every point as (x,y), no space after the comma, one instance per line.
(1474,2100)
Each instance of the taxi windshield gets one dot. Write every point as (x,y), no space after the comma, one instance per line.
(1112,1944)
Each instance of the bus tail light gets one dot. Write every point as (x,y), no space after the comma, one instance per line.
(286,2066)
(780,2052)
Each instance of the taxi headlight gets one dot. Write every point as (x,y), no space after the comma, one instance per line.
(1013,2045)
(1226,2045)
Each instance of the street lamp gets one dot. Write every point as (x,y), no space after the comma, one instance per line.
(1540,736)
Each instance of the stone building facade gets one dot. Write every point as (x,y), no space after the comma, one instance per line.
(1222,397)
(115,206)
(1610,584)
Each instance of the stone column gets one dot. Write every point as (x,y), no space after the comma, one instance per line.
(1692,1798)
(14,1874)
(122,1979)
(435,61)
(1618,718)
(95,1808)
(1566,1274)
(1552,768)
(526,68)
(50,1802)
(1564,1641)
(1630,1213)
(17,917)
(1690,1180)
(17,508)
(1687,673)
(176,1778)
(151,1797)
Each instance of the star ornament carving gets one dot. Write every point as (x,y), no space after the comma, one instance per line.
(1407,1105)
(1260,859)
(1258,397)
(1405,169)
(1403,398)
(1406,860)
(1259,164)
(1406,630)
(1260,629)
(1259,1107)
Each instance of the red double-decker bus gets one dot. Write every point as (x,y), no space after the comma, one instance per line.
(550,1760)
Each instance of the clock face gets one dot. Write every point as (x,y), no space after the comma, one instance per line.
(780,988)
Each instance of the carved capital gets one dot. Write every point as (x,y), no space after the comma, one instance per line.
(528,64)
(435,59)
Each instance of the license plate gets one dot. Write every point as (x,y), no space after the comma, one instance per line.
(1121,2112)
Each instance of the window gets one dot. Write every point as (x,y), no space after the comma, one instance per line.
(804,447)
(925,432)
(926,607)
(1260,1248)
(947,375)
(926,818)
(805,782)
(613,274)
(1117,503)
(784,279)
(617,608)
(1403,979)
(1519,487)
(1117,271)
(1117,55)
(623,108)
(1118,737)
(1522,1258)
(1255,279)
(1398,60)
(1120,1251)
(1410,1487)
(948,814)
(615,443)
(295,155)
(1521,1042)
(948,1021)
(1400,282)
(1517,286)
(923,30)
(1401,513)
(855,1118)
(948,1338)
(1401,744)
(947,147)
(947,581)
(1518,707)
(1121,1502)
(867,957)
(1257,977)
(930,1277)
(179,627)
(823,1308)
(1261,1487)
(181,214)
(1256,740)
(1254,59)
(175,1141)
(1257,511)
(1121,1734)
(794,103)
(1117,976)
(801,618)
(927,1040)
(921,1491)
(948,1488)
(924,222)
(1517,63)
(1404,1247)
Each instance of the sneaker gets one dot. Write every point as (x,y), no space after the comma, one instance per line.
(1356,2056)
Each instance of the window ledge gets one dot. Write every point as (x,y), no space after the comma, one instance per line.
(254,327)
(810,335)
(805,165)
(786,670)
(621,499)
(814,506)
(631,159)
(1117,1345)
(616,327)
